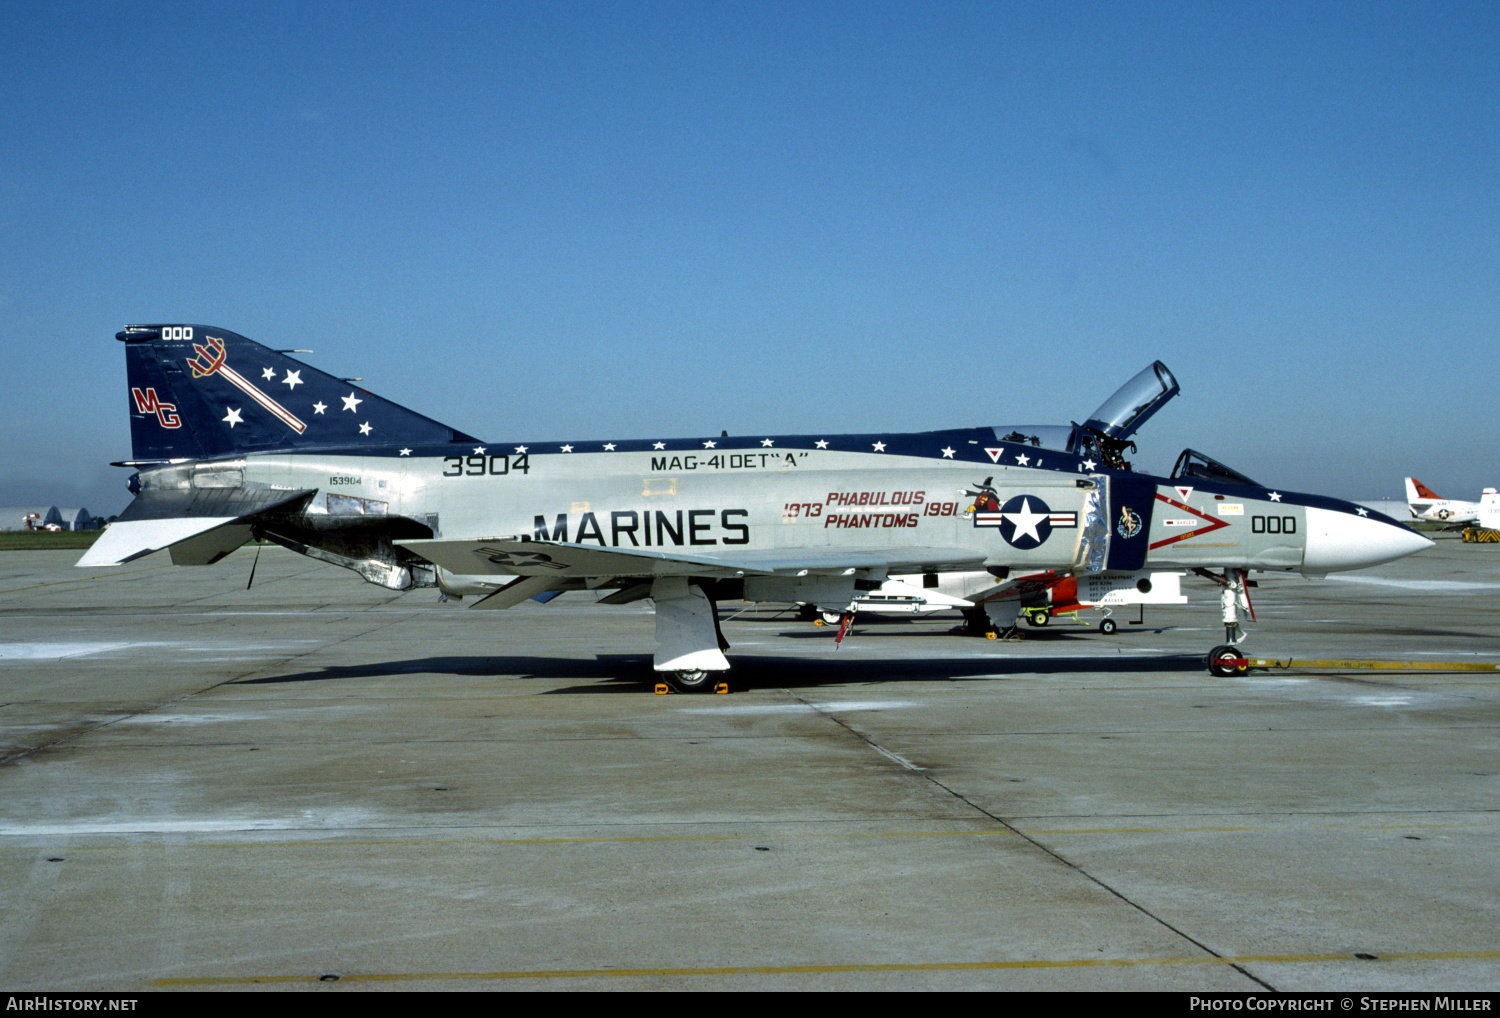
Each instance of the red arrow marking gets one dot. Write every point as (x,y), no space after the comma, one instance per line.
(1213,524)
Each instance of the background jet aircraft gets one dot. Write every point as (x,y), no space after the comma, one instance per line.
(233,441)
(1428,506)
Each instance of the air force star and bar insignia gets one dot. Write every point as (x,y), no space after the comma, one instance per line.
(522,559)
(1025,521)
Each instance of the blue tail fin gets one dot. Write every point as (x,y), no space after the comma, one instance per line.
(198,392)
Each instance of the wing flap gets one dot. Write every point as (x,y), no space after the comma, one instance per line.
(513,557)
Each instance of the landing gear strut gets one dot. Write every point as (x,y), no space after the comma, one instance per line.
(1234,594)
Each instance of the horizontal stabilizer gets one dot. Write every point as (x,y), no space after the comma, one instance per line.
(160,520)
(210,502)
(127,540)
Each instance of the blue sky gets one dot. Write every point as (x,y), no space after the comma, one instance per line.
(568,220)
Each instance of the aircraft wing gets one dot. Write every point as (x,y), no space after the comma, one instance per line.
(1022,588)
(512,557)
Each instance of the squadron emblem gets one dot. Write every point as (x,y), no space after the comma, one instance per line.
(209,360)
(1130,523)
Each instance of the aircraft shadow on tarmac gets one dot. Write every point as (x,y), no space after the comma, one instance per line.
(631,673)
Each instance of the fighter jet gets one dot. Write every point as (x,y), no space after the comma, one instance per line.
(1433,508)
(233,441)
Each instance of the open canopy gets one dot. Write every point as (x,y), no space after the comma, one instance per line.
(1134,403)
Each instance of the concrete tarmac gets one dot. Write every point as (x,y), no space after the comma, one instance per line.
(320,784)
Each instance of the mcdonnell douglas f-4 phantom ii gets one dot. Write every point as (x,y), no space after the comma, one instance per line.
(233,441)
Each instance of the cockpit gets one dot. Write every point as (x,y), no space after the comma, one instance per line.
(1105,436)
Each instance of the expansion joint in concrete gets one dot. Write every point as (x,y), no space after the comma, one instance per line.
(919,772)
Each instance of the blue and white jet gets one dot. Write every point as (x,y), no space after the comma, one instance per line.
(234,441)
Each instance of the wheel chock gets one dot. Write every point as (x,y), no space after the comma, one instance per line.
(991,635)
(662,689)
(721,688)
(817,622)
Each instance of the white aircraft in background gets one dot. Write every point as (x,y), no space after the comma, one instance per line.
(1427,505)
(1489,509)
(1047,594)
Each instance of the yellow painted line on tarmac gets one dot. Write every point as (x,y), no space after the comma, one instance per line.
(622,839)
(797,970)
(1406,666)
(759,836)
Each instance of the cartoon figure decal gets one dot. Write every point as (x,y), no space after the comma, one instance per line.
(1130,523)
(985,501)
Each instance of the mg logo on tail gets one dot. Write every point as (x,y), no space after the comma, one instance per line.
(148,403)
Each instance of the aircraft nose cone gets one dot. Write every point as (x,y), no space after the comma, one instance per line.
(1338,540)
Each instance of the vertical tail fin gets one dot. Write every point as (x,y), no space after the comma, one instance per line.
(1416,491)
(199,392)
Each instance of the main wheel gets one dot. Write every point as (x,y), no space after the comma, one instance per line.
(1107,626)
(832,618)
(1224,653)
(691,680)
(1038,618)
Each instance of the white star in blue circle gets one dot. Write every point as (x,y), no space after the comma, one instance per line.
(1025,522)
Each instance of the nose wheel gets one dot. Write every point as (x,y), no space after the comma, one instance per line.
(1227,661)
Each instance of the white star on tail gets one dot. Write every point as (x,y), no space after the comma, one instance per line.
(351,401)
(479,450)
(567,448)
(658,445)
(364,429)
(1362,511)
(520,450)
(268,374)
(821,443)
(947,452)
(1026,522)
(878,447)
(406,452)
(319,407)
(292,379)
(710,445)
(766,442)
(609,447)
(232,417)
(1274,496)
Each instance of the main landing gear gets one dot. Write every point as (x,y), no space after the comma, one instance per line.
(689,644)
